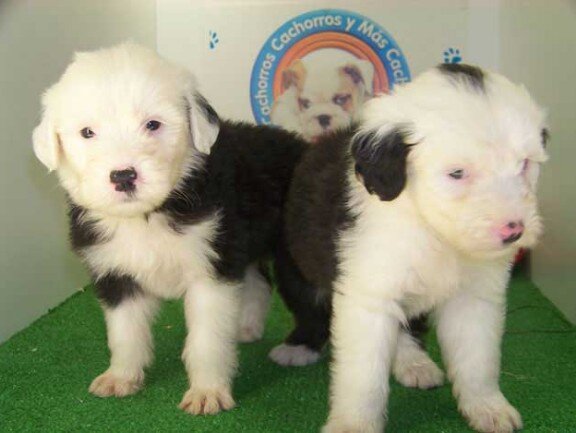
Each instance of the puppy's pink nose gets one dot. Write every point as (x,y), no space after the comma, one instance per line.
(511,232)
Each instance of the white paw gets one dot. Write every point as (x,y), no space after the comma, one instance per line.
(109,384)
(298,356)
(491,415)
(424,374)
(341,427)
(207,401)
(250,332)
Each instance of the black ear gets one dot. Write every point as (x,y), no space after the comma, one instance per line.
(381,162)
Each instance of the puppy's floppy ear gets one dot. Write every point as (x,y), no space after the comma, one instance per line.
(204,123)
(294,75)
(46,142)
(361,72)
(380,161)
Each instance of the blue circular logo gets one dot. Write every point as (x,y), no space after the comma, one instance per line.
(322,29)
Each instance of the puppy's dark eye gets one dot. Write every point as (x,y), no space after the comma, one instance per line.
(457,174)
(304,103)
(341,99)
(87,133)
(153,125)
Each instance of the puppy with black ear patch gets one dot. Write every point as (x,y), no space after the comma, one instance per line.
(419,210)
(166,201)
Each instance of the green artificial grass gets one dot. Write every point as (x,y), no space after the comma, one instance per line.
(45,371)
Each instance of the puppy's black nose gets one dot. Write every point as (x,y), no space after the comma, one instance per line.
(121,176)
(124,179)
(324,120)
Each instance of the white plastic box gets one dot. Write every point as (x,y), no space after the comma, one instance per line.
(241,50)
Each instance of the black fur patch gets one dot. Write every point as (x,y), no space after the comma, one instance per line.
(471,75)
(207,109)
(112,288)
(545,135)
(311,308)
(381,162)
(244,180)
(317,209)
(316,215)
(418,327)
(189,204)
(83,233)
(252,166)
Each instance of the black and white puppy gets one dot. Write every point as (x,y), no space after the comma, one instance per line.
(420,209)
(166,201)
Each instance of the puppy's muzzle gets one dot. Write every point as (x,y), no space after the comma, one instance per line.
(124,180)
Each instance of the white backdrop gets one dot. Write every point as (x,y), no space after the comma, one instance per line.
(37,40)
(532,41)
(424,30)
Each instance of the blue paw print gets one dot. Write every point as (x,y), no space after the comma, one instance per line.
(213,39)
(452,55)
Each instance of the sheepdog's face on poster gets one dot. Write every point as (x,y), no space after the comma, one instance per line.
(121,128)
(322,93)
(472,163)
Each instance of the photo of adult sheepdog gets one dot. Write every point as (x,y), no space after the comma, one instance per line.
(419,209)
(166,201)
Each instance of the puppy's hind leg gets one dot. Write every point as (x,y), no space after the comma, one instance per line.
(255,302)
(312,316)
(412,366)
(129,338)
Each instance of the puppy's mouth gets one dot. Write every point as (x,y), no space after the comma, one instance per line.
(126,192)
(318,137)
(128,187)
(315,138)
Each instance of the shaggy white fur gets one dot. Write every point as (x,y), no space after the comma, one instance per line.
(440,246)
(126,110)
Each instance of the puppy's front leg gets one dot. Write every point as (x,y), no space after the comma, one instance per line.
(470,332)
(364,339)
(211,309)
(129,313)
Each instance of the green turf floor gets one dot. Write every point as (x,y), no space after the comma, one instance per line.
(46,369)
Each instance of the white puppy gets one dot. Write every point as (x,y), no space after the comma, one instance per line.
(321,96)
(166,201)
(421,209)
